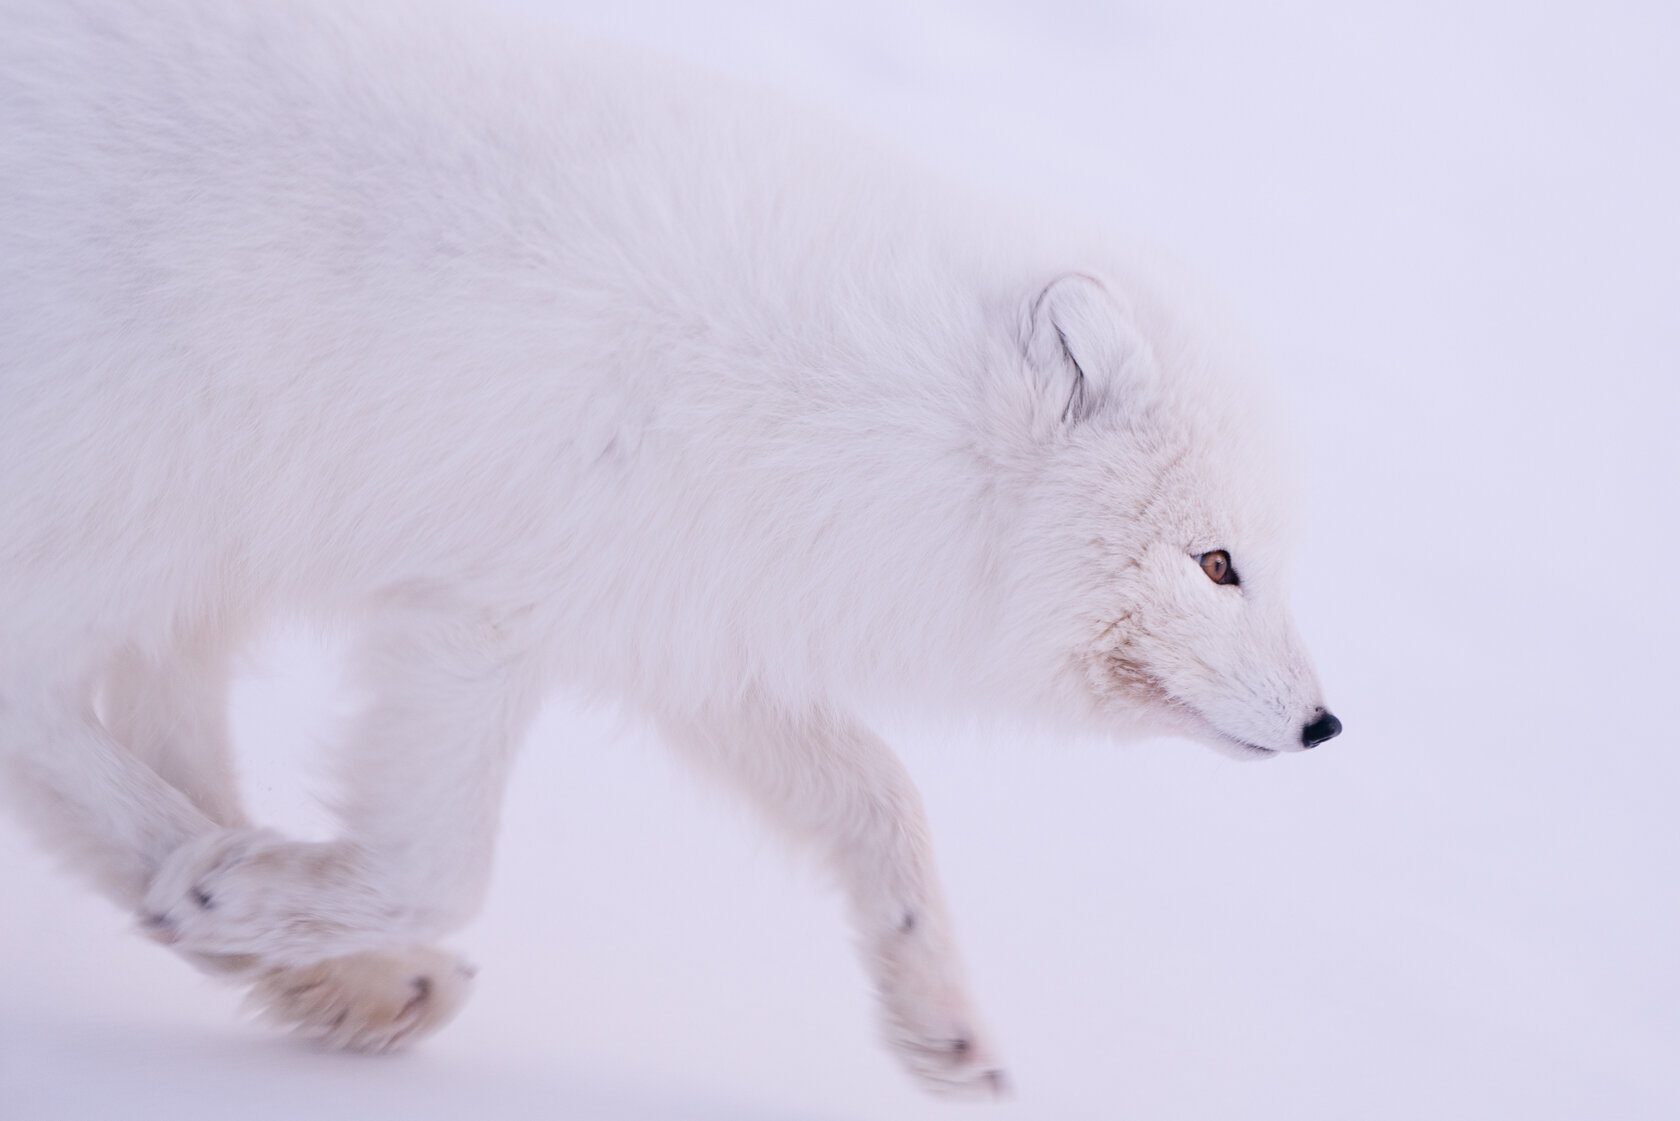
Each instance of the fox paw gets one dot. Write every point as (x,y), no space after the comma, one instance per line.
(928,1023)
(252,892)
(376,1001)
(946,1054)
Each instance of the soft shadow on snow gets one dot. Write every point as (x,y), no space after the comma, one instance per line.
(53,1067)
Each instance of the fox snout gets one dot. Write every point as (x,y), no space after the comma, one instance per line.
(1323,726)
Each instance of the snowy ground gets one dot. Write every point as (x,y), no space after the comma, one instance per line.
(1453,229)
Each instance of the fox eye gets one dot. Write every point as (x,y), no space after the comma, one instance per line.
(1217,565)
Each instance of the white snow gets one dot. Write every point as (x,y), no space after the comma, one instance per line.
(1453,229)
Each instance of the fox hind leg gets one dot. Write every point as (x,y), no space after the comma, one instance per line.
(120,779)
(171,712)
(452,692)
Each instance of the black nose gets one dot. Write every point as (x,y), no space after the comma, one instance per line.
(1326,727)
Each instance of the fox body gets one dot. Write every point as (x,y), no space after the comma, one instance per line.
(543,367)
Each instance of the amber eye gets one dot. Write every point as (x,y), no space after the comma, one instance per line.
(1217,565)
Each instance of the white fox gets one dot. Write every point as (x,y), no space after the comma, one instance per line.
(546,368)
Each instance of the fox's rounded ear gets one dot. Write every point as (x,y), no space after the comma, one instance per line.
(1080,346)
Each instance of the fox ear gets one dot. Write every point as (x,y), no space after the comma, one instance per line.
(1080,348)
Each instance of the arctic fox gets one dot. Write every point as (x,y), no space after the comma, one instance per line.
(546,368)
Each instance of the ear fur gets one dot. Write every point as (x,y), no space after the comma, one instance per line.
(1080,347)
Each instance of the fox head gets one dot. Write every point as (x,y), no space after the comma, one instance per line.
(1166,571)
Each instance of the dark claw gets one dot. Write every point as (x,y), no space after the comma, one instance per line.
(159,927)
(422,989)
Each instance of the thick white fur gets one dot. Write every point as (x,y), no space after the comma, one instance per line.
(545,367)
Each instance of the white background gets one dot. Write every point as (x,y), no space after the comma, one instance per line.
(1452,228)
